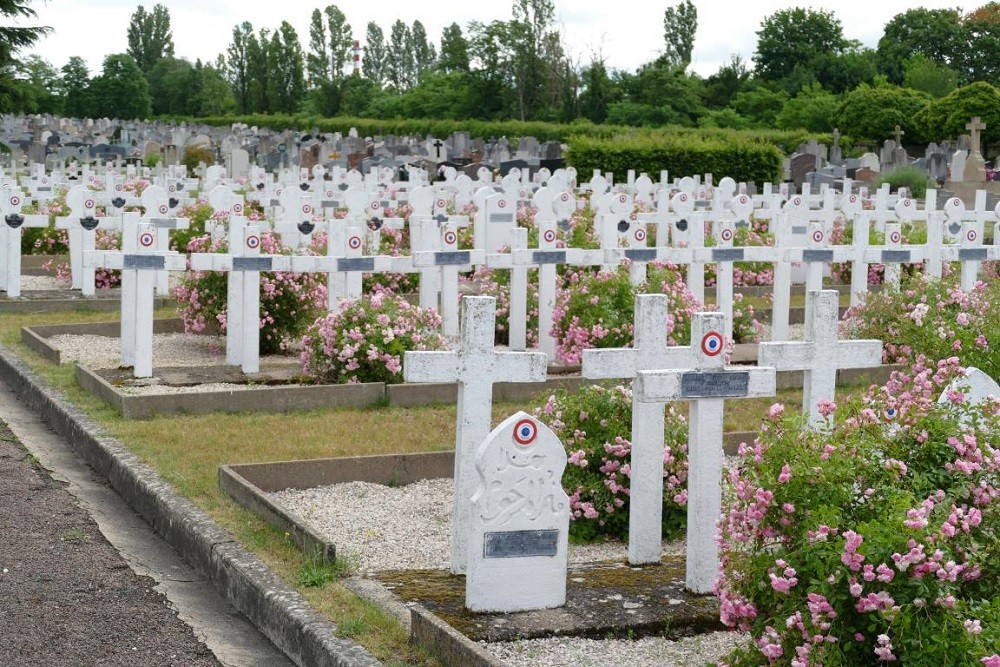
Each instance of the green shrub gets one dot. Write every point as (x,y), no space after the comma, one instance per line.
(908,177)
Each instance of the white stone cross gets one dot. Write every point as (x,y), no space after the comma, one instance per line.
(297,222)
(244,264)
(976,388)
(446,262)
(648,352)
(970,250)
(705,386)
(821,355)
(519,520)
(157,203)
(10,238)
(476,366)
(82,223)
(139,262)
(376,223)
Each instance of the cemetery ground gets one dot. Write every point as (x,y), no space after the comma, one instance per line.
(186,450)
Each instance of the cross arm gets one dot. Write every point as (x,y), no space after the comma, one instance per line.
(430,366)
(519,367)
(670,385)
(609,363)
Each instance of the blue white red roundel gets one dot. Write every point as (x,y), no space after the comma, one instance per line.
(549,235)
(818,236)
(971,235)
(238,209)
(525,432)
(15,201)
(354,242)
(89,203)
(253,241)
(146,239)
(711,343)
(640,234)
(450,237)
(727,234)
(163,209)
(895,237)
(890,414)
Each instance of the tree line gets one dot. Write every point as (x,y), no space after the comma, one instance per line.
(804,73)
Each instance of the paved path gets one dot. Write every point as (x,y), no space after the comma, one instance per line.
(85,581)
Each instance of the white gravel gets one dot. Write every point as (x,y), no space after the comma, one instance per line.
(379,527)
(42,283)
(175,349)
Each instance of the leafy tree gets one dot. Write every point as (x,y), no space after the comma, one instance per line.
(121,90)
(929,76)
(237,70)
(374,63)
(214,97)
(399,68)
(871,113)
(936,34)
(720,88)
(454,56)
(947,117)
(286,75)
(812,109)
(12,40)
(259,71)
(492,67)
(841,72)
(424,55)
(341,41)
(38,82)
(760,104)
(439,95)
(679,26)
(149,36)
(658,94)
(359,96)
(526,35)
(978,60)
(796,37)
(171,82)
(318,58)
(597,91)
(75,87)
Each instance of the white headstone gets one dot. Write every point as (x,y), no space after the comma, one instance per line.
(519,523)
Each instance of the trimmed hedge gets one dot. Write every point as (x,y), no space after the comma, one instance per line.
(741,160)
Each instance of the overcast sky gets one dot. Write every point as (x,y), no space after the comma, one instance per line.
(627,34)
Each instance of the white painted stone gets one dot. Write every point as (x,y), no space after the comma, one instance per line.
(81,225)
(976,388)
(648,352)
(11,201)
(705,386)
(821,354)
(476,366)
(156,202)
(519,520)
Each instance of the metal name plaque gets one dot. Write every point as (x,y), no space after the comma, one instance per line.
(356,264)
(501,217)
(548,257)
(798,229)
(640,254)
(456,258)
(817,255)
(164,223)
(275,202)
(43,189)
(727,254)
(521,543)
(154,262)
(251,263)
(973,254)
(719,384)
(895,256)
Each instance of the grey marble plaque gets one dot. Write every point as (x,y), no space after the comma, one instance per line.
(718,384)
(895,256)
(501,217)
(641,254)
(727,254)
(275,202)
(154,262)
(817,255)
(251,263)
(973,254)
(549,257)
(798,229)
(456,258)
(329,203)
(164,223)
(521,543)
(356,264)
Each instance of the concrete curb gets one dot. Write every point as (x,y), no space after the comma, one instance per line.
(280,613)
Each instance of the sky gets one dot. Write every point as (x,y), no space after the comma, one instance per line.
(626,34)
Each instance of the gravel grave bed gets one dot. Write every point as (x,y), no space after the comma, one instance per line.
(379,527)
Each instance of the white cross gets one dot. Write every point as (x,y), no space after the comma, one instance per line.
(447,261)
(705,385)
(139,262)
(244,264)
(158,205)
(970,251)
(10,238)
(648,352)
(821,355)
(81,224)
(476,366)
(297,224)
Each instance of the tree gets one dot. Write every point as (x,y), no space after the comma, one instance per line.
(720,88)
(454,52)
(946,118)
(760,104)
(791,37)
(871,113)
(237,61)
(374,63)
(813,109)
(596,93)
(149,36)
(929,76)
(978,60)
(936,34)
(679,26)
(318,58)
(286,75)
(38,83)
(121,90)
(12,40)
(341,41)
(527,34)
(171,82)
(423,51)
(75,88)
(399,68)
(259,71)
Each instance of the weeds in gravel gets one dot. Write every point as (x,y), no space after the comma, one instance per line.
(73,534)
(316,572)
